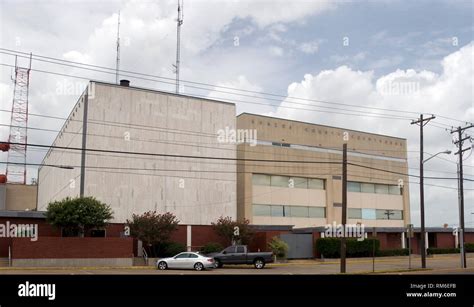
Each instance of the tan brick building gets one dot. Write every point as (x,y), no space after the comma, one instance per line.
(310,194)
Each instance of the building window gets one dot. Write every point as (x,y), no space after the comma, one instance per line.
(387,214)
(288,211)
(298,211)
(319,212)
(277,211)
(298,182)
(317,184)
(354,213)
(259,179)
(353,186)
(287,182)
(368,214)
(381,189)
(394,190)
(280,181)
(261,210)
(367,188)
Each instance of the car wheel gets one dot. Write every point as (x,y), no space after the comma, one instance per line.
(259,263)
(219,263)
(198,266)
(162,265)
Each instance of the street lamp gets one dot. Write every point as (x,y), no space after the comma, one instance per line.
(422,207)
(446,152)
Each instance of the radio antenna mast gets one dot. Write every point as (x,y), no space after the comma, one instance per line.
(117,64)
(178,41)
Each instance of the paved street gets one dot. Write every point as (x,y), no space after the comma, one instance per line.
(441,264)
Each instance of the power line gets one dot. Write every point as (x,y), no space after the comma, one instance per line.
(62,62)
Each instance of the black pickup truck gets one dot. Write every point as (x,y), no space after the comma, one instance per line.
(238,254)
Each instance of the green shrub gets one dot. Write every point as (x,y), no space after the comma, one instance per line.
(168,249)
(174,248)
(393,252)
(435,251)
(278,247)
(363,248)
(331,247)
(211,247)
(469,247)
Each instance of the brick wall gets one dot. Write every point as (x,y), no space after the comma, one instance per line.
(57,247)
(44,229)
(444,240)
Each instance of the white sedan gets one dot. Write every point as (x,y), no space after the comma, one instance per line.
(186,260)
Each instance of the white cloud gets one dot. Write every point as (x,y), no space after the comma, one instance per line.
(450,92)
(309,47)
(276,51)
(240,83)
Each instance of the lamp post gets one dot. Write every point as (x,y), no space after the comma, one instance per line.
(422,207)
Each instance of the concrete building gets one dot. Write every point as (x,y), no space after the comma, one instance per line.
(164,126)
(310,194)
(18,197)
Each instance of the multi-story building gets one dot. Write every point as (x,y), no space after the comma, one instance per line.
(303,186)
(139,150)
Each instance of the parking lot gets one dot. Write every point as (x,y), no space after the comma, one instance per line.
(440,264)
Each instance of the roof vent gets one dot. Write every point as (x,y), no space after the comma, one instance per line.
(124,82)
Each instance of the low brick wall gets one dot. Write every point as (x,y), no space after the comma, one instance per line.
(71,248)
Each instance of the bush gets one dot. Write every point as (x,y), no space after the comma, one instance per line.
(278,247)
(469,247)
(167,249)
(331,247)
(211,247)
(77,216)
(174,248)
(435,251)
(393,252)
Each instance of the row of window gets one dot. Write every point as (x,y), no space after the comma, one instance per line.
(288,211)
(288,182)
(377,188)
(374,214)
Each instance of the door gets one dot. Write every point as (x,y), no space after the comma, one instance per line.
(300,245)
(240,255)
(229,255)
(192,260)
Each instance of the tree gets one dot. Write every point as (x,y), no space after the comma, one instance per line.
(153,229)
(278,247)
(76,216)
(225,227)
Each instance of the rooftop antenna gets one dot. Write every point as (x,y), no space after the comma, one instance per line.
(178,41)
(117,64)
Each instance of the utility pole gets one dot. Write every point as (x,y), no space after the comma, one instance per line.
(344,207)
(178,41)
(117,64)
(422,122)
(459,143)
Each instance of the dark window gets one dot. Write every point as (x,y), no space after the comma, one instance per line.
(230,250)
(193,256)
(98,233)
(183,255)
(240,249)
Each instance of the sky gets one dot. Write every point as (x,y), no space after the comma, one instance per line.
(409,56)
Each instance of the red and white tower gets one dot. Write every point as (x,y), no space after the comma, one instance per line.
(16,162)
